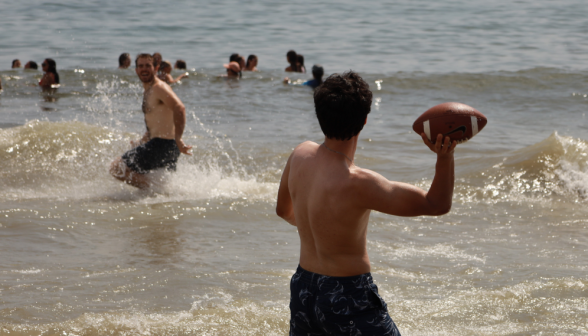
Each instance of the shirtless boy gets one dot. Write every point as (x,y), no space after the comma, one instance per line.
(329,199)
(165,118)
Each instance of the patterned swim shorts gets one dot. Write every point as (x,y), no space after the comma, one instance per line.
(324,305)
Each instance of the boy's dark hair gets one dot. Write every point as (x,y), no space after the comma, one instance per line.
(342,104)
(233,58)
(122,58)
(148,56)
(33,65)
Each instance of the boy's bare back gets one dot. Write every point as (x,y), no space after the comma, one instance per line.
(331,225)
(331,200)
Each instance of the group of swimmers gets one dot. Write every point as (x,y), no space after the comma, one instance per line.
(237,64)
(50,78)
(164,67)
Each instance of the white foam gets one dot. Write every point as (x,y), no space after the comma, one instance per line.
(573,179)
(29,271)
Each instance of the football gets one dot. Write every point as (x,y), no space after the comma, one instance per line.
(458,121)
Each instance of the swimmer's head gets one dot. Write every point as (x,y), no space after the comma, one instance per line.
(31,65)
(165,67)
(157,59)
(180,64)
(124,60)
(291,56)
(233,69)
(342,104)
(251,61)
(15,63)
(50,65)
(233,58)
(241,62)
(318,71)
(300,59)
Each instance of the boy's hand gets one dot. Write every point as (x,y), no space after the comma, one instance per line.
(440,147)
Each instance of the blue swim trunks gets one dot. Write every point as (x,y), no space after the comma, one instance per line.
(324,305)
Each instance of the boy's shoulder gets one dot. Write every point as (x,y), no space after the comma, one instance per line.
(305,148)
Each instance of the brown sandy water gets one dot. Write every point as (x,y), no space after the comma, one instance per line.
(205,254)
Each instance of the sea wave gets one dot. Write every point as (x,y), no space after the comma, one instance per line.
(66,160)
(553,169)
(219,315)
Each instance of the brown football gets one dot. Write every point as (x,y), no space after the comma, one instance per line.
(456,120)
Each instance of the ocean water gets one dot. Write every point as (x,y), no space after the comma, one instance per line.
(204,252)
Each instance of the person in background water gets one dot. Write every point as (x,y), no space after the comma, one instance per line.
(51,77)
(15,64)
(329,199)
(293,60)
(157,60)
(233,70)
(301,63)
(165,71)
(233,58)
(317,73)
(251,63)
(161,145)
(124,61)
(180,65)
(31,65)
(241,62)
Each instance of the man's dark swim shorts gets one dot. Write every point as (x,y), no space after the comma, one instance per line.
(324,305)
(154,154)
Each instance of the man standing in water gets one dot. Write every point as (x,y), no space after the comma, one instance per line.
(165,118)
(329,199)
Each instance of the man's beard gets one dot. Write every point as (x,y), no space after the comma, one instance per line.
(147,80)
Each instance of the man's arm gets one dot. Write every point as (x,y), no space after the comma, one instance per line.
(402,199)
(284,206)
(172,80)
(172,101)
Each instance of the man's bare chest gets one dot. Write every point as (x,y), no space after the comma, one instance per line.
(150,103)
